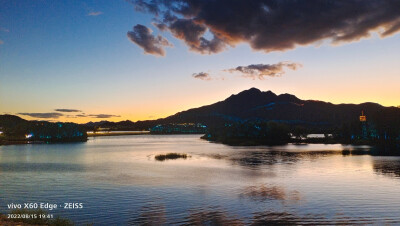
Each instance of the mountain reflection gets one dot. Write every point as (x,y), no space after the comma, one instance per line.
(388,167)
(255,159)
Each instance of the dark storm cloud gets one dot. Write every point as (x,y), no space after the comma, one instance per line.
(43,115)
(202,76)
(272,25)
(141,35)
(192,34)
(67,110)
(262,70)
(102,116)
(160,26)
(146,6)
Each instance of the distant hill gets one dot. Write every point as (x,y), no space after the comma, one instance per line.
(17,130)
(10,120)
(121,126)
(254,104)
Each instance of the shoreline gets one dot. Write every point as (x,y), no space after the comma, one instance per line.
(117,133)
(241,142)
(384,148)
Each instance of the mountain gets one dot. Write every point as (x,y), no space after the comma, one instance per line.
(254,104)
(121,126)
(10,120)
(17,130)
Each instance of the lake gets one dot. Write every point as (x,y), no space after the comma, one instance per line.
(120,183)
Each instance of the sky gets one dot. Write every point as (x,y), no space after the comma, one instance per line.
(93,60)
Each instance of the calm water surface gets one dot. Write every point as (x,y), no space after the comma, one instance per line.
(119,182)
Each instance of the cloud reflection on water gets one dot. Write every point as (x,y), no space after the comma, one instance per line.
(269,192)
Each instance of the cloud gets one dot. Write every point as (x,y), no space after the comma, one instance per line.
(272,25)
(254,71)
(102,116)
(160,26)
(262,70)
(95,13)
(141,35)
(202,76)
(1,42)
(43,115)
(83,115)
(67,110)
(192,34)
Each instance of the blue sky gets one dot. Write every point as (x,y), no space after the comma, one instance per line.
(55,55)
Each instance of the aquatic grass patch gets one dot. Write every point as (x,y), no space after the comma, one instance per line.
(163,157)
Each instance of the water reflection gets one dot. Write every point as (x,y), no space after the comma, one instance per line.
(157,215)
(255,159)
(356,152)
(40,167)
(286,218)
(387,166)
(117,179)
(269,192)
(152,214)
(211,217)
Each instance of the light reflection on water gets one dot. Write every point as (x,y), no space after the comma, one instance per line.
(119,182)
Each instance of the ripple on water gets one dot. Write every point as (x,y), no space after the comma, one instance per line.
(119,182)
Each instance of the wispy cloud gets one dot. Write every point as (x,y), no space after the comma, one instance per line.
(1,42)
(202,76)
(271,25)
(43,115)
(262,70)
(67,110)
(83,115)
(151,44)
(253,71)
(102,116)
(95,13)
